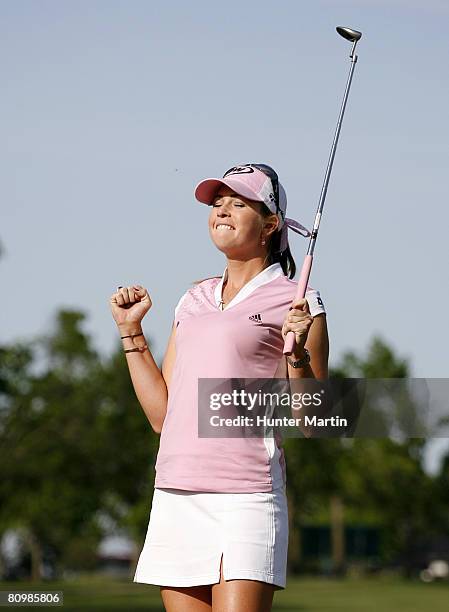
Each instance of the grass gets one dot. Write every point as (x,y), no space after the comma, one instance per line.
(98,594)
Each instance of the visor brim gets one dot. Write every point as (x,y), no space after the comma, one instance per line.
(207,189)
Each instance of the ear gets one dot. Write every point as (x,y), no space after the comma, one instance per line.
(271,224)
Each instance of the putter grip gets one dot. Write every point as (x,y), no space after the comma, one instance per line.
(289,342)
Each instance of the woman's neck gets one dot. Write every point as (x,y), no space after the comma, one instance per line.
(240,272)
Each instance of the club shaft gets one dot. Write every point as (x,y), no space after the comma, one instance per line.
(307,265)
(331,161)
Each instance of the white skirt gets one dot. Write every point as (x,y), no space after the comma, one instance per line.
(189,531)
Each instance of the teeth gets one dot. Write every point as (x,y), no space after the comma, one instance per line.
(222,225)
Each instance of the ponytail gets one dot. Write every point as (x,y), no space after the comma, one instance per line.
(285,259)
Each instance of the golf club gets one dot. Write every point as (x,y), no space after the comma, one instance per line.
(353,36)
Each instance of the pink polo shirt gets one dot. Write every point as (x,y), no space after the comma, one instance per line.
(243,340)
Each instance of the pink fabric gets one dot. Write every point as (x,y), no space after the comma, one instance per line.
(211,343)
(251,184)
(294,226)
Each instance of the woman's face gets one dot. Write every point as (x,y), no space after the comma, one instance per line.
(236,224)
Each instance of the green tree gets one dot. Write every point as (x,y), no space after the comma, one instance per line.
(50,485)
(377,480)
(76,450)
(130,447)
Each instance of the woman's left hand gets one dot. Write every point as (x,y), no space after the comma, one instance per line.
(298,320)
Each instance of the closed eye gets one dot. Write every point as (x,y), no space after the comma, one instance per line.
(216,204)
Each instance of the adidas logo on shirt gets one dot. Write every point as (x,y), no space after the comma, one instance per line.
(257,318)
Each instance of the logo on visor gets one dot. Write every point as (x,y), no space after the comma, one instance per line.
(240,170)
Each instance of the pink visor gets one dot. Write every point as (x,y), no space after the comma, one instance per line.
(248,182)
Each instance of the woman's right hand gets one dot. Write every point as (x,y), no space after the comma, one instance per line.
(129,305)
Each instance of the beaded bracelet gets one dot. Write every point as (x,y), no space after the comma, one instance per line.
(140,349)
(132,335)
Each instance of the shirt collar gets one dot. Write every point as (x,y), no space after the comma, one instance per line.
(263,277)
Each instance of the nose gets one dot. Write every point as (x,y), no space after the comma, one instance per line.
(223,211)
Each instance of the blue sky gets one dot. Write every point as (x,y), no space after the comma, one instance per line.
(113,111)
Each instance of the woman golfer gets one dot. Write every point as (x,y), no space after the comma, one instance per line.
(218,529)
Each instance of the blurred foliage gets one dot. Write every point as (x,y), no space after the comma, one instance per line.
(76,450)
(381,482)
(77,456)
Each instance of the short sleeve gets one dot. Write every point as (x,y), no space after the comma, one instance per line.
(193,300)
(315,302)
(178,307)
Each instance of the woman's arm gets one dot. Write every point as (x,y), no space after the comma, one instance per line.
(317,344)
(169,358)
(150,383)
(128,306)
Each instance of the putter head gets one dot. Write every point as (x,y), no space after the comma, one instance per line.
(352,35)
